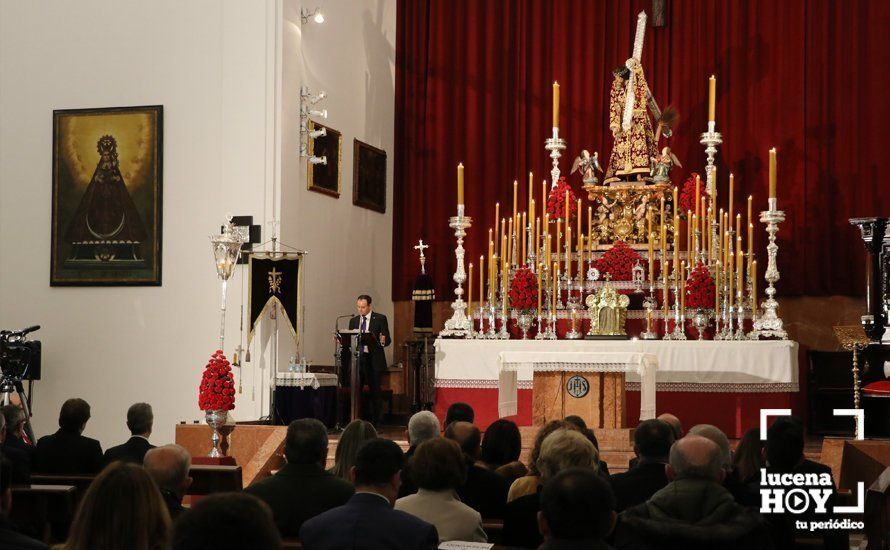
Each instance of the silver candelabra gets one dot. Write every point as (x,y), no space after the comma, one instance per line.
(769,324)
(555,145)
(711,139)
(459,326)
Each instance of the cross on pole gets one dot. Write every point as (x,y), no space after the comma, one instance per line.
(421,247)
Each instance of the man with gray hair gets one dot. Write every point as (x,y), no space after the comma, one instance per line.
(140,420)
(693,510)
(422,426)
(169,466)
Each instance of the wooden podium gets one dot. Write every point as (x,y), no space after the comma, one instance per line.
(597,397)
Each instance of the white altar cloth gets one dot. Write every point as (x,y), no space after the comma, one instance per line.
(695,366)
(312,380)
(511,363)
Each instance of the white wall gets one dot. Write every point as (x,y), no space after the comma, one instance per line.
(351,56)
(228,74)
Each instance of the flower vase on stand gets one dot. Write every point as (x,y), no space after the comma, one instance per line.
(222,423)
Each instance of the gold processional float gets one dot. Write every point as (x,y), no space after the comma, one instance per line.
(676,246)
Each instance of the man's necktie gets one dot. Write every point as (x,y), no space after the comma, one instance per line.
(363,330)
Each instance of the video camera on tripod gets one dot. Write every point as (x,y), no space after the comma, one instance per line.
(19,360)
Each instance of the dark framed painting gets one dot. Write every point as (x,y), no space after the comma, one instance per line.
(369,177)
(106,210)
(325,178)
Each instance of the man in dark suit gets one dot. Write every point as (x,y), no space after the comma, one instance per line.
(302,488)
(169,466)
(483,490)
(368,520)
(652,445)
(140,420)
(372,360)
(67,451)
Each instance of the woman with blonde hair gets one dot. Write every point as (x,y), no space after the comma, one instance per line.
(355,434)
(123,508)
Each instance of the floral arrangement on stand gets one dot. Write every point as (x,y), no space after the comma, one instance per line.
(618,262)
(217,389)
(556,201)
(700,288)
(524,297)
(687,195)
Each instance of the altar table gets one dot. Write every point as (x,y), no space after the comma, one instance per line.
(725,383)
(306,395)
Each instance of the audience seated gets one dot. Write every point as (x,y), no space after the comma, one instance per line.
(67,451)
(15,438)
(140,419)
(122,509)
(226,521)
(484,491)
(652,445)
(529,484)
(694,510)
(355,434)
(438,469)
(368,521)
(579,423)
(501,448)
(577,511)
(10,538)
(16,461)
(742,495)
(302,488)
(743,480)
(562,449)
(784,454)
(459,412)
(169,466)
(674,422)
(422,426)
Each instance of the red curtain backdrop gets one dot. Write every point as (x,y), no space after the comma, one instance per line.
(473,85)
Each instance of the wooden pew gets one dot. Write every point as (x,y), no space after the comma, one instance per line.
(494,528)
(207,480)
(877,512)
(80,482)
(44,512)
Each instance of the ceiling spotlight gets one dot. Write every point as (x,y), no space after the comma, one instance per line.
(315,15)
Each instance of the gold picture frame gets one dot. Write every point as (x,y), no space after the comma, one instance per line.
(325,178)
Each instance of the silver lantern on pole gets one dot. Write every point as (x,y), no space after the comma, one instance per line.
(226,248)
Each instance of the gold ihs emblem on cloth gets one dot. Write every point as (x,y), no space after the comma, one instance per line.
(274,281)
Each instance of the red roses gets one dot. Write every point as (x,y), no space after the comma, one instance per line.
(687,196)
(618,262)
(217,389)
(556,200)
(524,290)
(700,291)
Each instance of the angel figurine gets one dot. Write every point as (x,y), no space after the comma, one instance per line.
(589,166)
(662,164)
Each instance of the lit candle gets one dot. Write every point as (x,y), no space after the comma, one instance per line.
(712,97)
(515,195)
(549,239)
(497,214)
(503,237)
(470,289)
(740,257)
(581,256)
(531,210)
(553,279)
(568,251)
(722,250)
(772,173)
(557,249)
(524,240)
(674,203)
(750,200)
(750,245)
(555,104)
(460,183)
(731,194)
(676,241)
(509,252)
(589,221)
(531,189)
(538,237)
(738,226)
(665,291)
(698,212)
(565,212)
(691,224)
(682,287)
(717,282)
(661,214)
(540,270)
(651,244)
(578,211)
(544,197)
(730,265)
(481,287)
(695,243)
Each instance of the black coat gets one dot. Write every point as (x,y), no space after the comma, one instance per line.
(10,539)
(485,492)
(299,492)
(67,453)
(132,451)
(521,522)
(368,522)
(377,325)
(636,485)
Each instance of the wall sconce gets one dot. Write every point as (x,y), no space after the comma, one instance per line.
(315,15)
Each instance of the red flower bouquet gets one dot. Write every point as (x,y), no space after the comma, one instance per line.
(524,290)
(687,195)
(700,291)
(618,262)
(217,389)
(556,200)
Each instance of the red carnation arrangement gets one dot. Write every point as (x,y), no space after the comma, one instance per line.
(524,290)
(687,195)
(700,291)
(217,389)
(556,201)
(618,262)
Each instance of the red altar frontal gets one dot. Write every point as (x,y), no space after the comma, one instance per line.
(724,383)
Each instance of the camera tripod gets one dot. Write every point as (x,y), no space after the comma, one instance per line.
(8,386)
